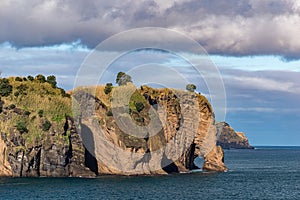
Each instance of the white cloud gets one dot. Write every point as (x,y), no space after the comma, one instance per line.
(283,81)
(263,109)
(251,109)
(264,84)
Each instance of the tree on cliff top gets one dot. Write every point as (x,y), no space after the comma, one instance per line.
(52,81)
(41,78)
(108,88)
(123,78)
(190,87)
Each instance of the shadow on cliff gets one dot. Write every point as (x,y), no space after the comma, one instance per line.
(88,138)
(167,167)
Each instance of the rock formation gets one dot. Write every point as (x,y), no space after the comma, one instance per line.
(214,160)
(167,142)
(5,168)
(58,154)
(230,139)
(174,127)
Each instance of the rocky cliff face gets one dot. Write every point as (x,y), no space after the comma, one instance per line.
(167,130)
(5,168)
(182,129)
(37,136)
(59,153)
(214,160)
(230,139)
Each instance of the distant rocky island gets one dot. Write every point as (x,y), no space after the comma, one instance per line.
(40,135)
(228,138)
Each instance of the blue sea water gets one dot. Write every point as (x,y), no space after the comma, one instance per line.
(263,173)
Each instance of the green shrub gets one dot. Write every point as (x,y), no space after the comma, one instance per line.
(41,113)
(109,113)
(5,87)
(22,89)
(52,81)
(46,126)
(66,95)
(63,93)
(30,78)
(16,94)
(27,113)
(12,106)
(139,119)
(40,78)
(119,75)
(190,87)
(18,79)
(123,78)
(108,88)
(139,106)
(21,127)
(33,118)
(24,79)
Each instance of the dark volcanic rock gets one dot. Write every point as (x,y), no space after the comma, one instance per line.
(61,154)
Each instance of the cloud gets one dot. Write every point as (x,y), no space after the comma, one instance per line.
(264,84)
(265,80)
(226,27)
(256,63)
(263,110)
(265,95)
(251,109)
(62,60)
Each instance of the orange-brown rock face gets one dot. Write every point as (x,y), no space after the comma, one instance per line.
(214,160)
(149,131)
(5,168)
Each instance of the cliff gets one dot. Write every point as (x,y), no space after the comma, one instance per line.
(37,134)
(228,138)
(41,135)
(159,130)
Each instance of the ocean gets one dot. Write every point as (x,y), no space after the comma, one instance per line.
(263,173)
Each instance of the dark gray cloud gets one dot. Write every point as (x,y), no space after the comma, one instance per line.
(226,27)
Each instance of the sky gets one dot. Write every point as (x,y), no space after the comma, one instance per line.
(254,44)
